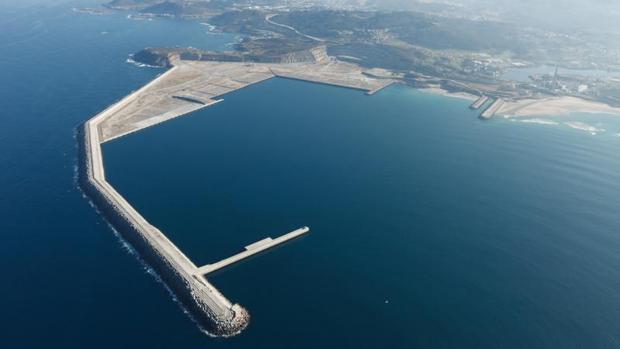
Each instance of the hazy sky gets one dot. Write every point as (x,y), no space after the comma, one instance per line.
(30,3)
(594,15)
(566,14)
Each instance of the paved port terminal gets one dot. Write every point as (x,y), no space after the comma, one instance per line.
(187,87)
(193,85)
(377,89)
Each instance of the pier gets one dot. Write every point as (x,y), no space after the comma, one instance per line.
(492,109)
(206,304)
(189,86)
(192,85)
(251,250)
(479,102)
(372,92)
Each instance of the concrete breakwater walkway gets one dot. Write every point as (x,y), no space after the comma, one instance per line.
(198,84)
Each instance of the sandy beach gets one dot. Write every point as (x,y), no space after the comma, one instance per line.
(554,106)
(441,91)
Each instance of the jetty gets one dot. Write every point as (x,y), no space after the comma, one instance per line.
(251,250)
(387,84)
(479,102)
(492,109)
(186,87)
(192,85)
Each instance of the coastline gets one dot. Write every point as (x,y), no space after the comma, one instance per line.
(440,91)
(556,106)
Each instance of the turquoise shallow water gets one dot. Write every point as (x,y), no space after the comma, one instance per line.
(430,228)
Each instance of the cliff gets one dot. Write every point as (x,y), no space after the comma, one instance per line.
(153,57)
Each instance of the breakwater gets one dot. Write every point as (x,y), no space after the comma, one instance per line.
(186,87)
(207,306)
(492,109)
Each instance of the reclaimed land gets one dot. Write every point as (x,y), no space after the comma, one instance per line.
(187,87)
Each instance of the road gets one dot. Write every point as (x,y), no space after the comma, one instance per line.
(270,16)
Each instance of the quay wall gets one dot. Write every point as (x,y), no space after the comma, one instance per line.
(319,82)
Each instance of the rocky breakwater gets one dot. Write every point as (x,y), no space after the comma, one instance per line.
(205,304)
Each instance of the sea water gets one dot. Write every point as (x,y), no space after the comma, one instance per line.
(430,227)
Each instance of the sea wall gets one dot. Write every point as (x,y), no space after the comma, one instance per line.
(206,305)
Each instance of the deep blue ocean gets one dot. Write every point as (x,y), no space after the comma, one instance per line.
(429,227)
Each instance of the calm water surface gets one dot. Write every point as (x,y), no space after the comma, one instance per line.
(430,228)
